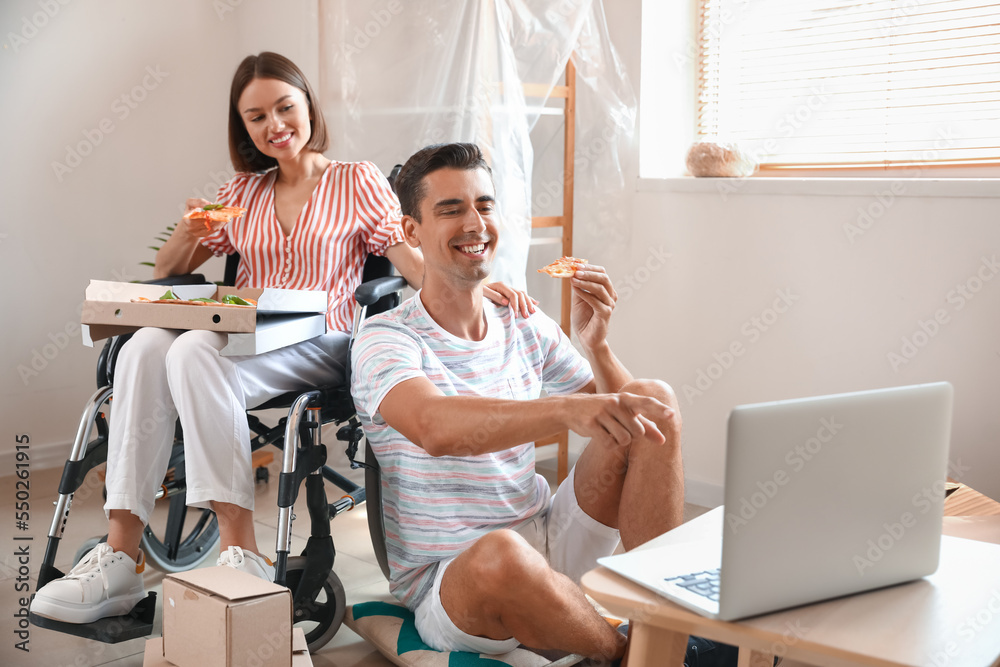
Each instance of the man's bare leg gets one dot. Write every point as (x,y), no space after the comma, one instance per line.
(502,588)
(638,489)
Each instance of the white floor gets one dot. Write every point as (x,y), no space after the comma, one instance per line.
(355,566)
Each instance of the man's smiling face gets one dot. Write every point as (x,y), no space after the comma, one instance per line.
(458,226)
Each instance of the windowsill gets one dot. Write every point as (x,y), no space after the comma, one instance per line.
(845,187)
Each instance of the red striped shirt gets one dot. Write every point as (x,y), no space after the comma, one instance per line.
(352,212)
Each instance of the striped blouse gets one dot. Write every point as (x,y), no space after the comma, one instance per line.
(352,212)
(436,508)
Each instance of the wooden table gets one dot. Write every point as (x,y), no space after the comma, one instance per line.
(949,619)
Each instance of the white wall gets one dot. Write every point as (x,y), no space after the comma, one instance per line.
(730,252)
(62,79)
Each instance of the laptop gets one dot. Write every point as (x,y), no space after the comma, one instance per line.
(824,497)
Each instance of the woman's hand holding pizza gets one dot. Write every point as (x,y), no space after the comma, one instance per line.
(194,227)
(593,302)
(202,217)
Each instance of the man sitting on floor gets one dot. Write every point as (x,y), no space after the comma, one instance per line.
(448,389)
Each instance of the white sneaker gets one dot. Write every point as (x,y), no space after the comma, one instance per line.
(247,561)
(104,583)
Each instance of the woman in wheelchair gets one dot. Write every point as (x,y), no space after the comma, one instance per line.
(310,224)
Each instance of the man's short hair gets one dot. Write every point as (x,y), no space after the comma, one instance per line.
(409,183)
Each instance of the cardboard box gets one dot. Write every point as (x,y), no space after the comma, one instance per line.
(221,617)
(282,317)
(153,657)
(300,650)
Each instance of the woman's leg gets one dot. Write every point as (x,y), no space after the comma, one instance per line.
(212,394)
(140,436)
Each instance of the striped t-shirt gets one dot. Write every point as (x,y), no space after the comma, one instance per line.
(352,212)
(435,508)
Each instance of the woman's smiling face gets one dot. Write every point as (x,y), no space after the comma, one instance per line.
(277,117)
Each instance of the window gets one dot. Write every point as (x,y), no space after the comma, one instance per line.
(838,83)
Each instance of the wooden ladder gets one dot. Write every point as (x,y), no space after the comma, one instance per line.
(565,221)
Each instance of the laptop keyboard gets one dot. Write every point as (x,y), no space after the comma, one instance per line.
(702,583)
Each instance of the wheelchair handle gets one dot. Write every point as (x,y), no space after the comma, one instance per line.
(371,291)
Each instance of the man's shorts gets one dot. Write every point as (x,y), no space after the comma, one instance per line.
(570,540)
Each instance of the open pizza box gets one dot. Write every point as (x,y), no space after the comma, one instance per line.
(281,317)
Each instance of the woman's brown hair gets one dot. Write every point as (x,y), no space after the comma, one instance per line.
(268,65)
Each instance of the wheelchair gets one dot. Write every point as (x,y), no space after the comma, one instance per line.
(191,536)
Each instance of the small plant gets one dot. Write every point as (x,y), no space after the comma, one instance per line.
(167,233)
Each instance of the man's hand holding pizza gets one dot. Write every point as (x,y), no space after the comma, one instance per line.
(593,302)
(610,415)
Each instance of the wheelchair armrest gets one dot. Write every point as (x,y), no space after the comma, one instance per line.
(369,292)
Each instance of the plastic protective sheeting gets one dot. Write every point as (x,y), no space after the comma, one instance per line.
(397,75)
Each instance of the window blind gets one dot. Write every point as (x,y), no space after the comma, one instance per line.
(833,83)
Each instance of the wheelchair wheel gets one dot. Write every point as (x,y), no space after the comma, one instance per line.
(321,619)
(189,538)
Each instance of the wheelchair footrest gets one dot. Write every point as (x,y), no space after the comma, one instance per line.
(133,625)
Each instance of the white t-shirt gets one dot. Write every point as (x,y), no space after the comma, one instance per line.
(437,507)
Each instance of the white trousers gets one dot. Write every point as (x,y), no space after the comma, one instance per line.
(163,374)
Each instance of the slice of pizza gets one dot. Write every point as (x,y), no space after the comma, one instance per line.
(229,300)
(564,267)
(215,213)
